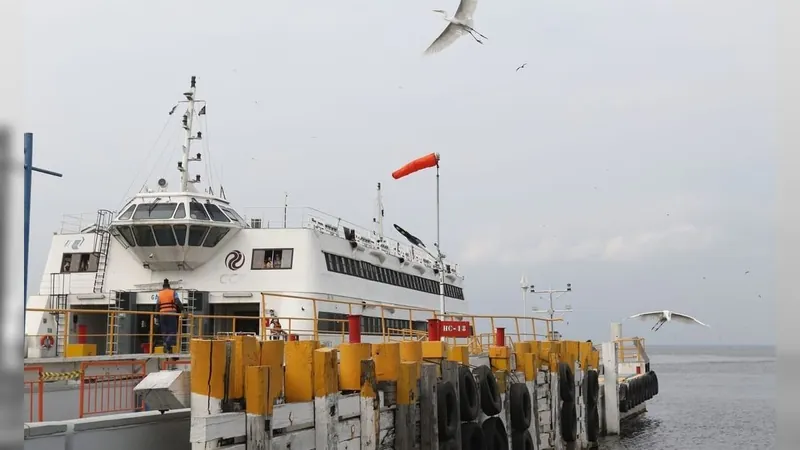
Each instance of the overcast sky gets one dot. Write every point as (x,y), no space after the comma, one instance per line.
(633,157)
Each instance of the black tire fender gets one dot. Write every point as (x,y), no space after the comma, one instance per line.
(494,434)
(624,397)
(592,387)
(521,407)
(446,404)
(592,424)
(490,401)
(569,422)
(521,440)
(467,394)
(472,436)
(566,382)
(655,382)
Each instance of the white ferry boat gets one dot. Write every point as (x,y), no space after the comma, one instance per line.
(293,264)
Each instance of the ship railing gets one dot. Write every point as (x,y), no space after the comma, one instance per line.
(484,330)
(631,350)
(314,219)
(77,223)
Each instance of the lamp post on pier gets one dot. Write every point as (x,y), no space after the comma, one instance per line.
(29,169)
(550,311)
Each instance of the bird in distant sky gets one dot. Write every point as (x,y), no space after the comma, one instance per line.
(521,67)
(746,272)
(459,24)
(666,316)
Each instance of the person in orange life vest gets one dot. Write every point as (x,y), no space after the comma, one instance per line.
(168,302)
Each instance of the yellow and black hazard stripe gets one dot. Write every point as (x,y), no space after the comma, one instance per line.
(60,376)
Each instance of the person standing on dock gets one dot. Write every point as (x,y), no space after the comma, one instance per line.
(168,302)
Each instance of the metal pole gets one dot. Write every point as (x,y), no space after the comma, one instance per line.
(439,248)
(27,216)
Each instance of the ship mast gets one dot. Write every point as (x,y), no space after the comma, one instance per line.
(378,220)
(188,120)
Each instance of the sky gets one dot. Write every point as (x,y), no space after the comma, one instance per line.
(633,157)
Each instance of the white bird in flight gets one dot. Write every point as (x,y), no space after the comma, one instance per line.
(666,316)
(459,24)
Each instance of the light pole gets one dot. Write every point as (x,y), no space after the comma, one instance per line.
(523,283)
(551,311)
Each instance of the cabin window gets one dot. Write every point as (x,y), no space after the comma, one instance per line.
(215,235)
(233,214)
(197,212)
(196,235)
(271,258)
(164,236)
(128,213)
(127,235)
(154,211)
(180,232)
(216,214)
(362,269)
(79,262)
(180,213)
(144,236)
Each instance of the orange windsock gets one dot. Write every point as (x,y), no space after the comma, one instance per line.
(431,160)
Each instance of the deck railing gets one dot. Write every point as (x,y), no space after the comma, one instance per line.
(631,350)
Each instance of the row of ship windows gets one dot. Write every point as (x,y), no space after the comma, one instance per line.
(335,322)
(363,269)
(171,235)
(197,211)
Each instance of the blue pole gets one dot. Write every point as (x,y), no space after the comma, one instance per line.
(27,212)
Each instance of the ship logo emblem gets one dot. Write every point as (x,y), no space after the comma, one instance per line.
(234,260)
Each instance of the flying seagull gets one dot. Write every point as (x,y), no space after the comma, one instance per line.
(459,24)
(666,316)
(521,67)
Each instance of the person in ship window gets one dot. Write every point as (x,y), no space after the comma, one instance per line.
(83,265)
(276,261)
(267,260)
(66,265)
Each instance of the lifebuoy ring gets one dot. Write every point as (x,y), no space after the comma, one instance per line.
(47,341)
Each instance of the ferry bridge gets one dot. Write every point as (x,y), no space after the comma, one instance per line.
(115,390)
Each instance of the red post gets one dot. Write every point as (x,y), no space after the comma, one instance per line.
(500,337)
(354,328)
(82,334)
(294,337)
(434,332)
(638,369)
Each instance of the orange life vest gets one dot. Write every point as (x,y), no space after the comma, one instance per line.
(166,301)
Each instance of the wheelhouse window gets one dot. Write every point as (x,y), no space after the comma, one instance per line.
(196,235)
(180,213)
(164,236)
(127,235)
(154,211)
(271,258)
(214,236)
(144,236)
(79,262)
(128,213)
(216,214)
(196,211)
(233,214)
(180,233)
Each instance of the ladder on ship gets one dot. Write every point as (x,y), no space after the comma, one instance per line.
(102,240)
(186,321)
(58,301)
(113,323)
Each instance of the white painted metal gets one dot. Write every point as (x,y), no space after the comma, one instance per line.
(611,394)
(165,390)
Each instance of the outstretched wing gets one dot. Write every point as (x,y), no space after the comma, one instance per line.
(466,9)
(647,315)
(686,319)
(448,36)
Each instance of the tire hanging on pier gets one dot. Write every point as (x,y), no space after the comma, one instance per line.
(652,375)
(569,422)
(592,381)
(467,394)
(624,397)
(566,383)
(521,406)
(521,440)
(490,402)
(591,401)
(494,434)
(446,405)
(592,424)
(472,436)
